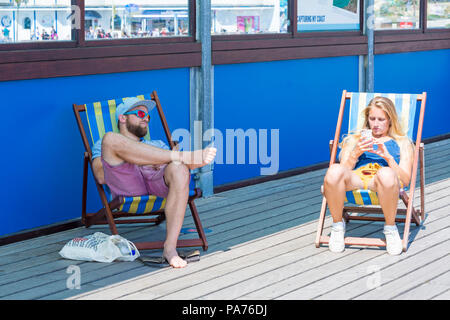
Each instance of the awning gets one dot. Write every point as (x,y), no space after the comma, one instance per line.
(162,14)
(165,12)
(131,7)
(92,14)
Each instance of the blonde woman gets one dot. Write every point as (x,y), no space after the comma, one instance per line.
(382,163)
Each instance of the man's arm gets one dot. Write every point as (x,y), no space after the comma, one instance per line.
(97,168)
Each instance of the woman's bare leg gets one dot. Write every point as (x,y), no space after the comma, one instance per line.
(337,181)
(386,185)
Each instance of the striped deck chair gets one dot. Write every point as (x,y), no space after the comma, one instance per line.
(100,118)
(366,200)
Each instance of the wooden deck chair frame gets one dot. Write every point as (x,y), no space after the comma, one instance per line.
(375,213)
(108,215)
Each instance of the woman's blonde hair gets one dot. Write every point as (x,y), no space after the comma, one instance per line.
(395,130)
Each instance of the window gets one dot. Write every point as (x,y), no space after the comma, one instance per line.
(328,15)
(112,19)
(27,23)
(438,14)
(44,38)
(35,20)
(249,16)
(397,14)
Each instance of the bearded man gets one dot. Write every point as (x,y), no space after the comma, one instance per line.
(133,166)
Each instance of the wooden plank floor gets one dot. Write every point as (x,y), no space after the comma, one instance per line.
(261,246)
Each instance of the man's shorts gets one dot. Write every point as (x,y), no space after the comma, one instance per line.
(131,180)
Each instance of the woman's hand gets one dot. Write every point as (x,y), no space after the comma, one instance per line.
(362,146)
(382,150)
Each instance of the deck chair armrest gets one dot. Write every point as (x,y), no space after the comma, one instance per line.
(116,202)
(331,149)
(197,193)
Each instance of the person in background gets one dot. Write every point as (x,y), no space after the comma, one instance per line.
(53,34)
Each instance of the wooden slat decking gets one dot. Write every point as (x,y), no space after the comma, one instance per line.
(261,247)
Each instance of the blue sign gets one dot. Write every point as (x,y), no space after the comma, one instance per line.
(6,21)
(131,7)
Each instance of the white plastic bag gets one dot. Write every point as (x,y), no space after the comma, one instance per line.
(100,247)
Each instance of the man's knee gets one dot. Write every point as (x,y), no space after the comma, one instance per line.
(178,174)
(386,178)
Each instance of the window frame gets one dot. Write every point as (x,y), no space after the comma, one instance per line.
(20,61)
(241,48)
(420,39)
(79,41)
(425,19)
(139,41)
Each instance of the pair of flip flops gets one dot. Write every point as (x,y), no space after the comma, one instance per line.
(160,261)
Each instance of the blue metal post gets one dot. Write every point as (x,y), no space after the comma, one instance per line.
(201,96)
(366,63)
(370,22)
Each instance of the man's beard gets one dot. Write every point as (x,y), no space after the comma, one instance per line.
(137,130)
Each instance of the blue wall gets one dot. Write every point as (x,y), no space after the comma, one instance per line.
(43,154)
(299,97)
(415,72)
(42,151)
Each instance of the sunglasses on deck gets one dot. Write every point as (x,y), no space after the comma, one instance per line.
(141,114)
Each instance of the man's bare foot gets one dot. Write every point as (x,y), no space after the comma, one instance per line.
(198,158)
(174,259)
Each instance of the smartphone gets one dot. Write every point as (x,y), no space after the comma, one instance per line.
(366,134)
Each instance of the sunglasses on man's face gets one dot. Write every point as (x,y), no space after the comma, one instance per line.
(139,113)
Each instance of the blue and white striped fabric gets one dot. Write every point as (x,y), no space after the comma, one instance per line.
(405,105)
(362,197)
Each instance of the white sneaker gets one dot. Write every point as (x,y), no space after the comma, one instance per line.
(393,241)
(336,243)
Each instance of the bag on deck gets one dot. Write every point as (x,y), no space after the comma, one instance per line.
(100,247)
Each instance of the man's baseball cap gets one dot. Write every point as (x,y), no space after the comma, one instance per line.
(131,103)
